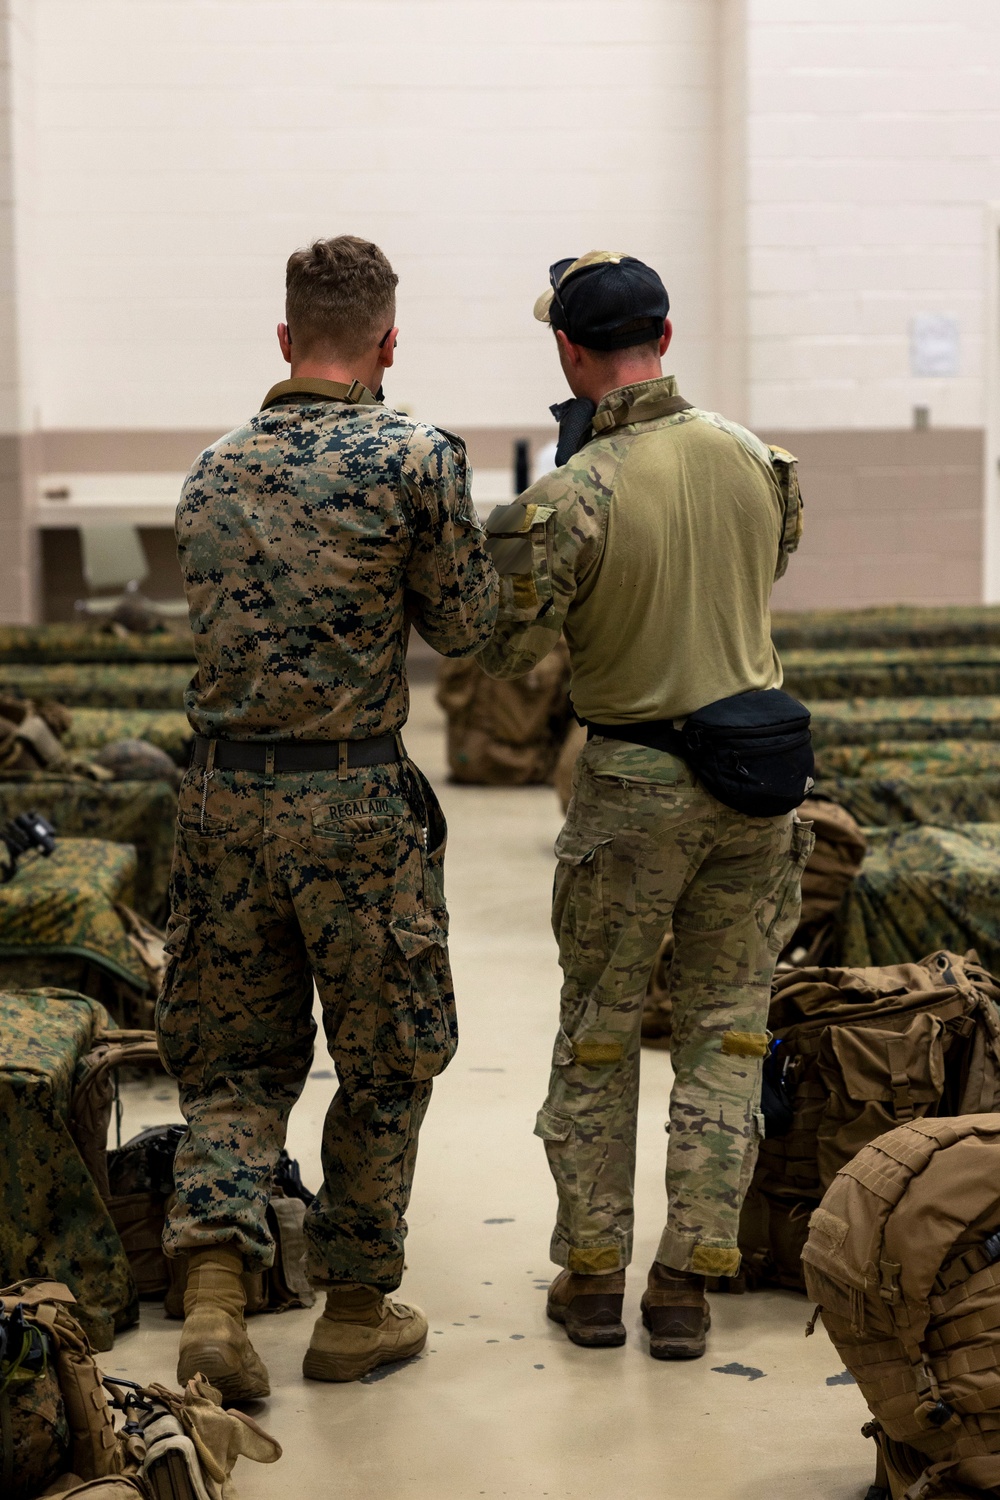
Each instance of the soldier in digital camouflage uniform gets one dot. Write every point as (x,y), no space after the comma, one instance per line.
(653,548)
(308,846)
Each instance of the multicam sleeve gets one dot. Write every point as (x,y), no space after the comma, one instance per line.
(787,471)
(544,544)
(451,586)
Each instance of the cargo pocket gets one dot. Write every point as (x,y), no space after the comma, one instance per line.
(876,1080)
(174,945)
(552,1127)
(178,1015)
(416,1031)
(582,896)
(778,916)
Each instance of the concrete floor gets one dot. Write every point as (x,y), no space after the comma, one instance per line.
(501,1403)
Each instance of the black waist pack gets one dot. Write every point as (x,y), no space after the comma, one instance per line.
(753,751)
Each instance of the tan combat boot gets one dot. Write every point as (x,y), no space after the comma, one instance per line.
(214,1340)
(676,1313)
(359,1330)
(589,1308)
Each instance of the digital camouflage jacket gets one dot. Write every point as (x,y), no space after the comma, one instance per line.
(310,539)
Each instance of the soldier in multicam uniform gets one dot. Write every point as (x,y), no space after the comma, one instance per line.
(653,548)
(308,846)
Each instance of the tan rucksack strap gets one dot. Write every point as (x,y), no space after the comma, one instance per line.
(981,1474)
(988,1015)
(33,1293)
(958,1271)
(90,1110)
(897,1051)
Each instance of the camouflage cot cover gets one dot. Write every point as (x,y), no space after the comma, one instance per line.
(889,625)
(937,672)
(66,907)
(907,758)
(54,1223)
(140,813)
(881,801)
(90,642)
(93,728)
(99,684)
(860,721)
(921,889)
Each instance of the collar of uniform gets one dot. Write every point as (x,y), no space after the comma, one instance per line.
(641,402)
(330,390)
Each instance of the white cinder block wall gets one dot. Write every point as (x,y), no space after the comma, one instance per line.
(873,145)
(185,149)
(809,177)
(873,150)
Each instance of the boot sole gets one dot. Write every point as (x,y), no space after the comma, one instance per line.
(169,1478)
(675,1348)
(343,1367)
(608,1336)
(234,1385)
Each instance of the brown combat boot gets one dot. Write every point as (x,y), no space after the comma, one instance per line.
(676,1313)
(589,1308)
(214,1340)
(359,1330)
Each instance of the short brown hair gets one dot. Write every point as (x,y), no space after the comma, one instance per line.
(339,293)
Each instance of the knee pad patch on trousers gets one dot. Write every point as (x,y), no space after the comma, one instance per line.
(744,1043)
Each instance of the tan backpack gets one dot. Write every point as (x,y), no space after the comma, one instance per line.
(856,1052)
(57,1426)
(832,868)
(505,733)
(139,1216)
(903,1260)
(48,1424)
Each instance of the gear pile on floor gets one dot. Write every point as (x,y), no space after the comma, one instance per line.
(873,1042)
(67,1429)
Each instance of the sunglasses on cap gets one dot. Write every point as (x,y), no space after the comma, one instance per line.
(557,274)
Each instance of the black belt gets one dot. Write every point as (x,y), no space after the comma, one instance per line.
(654,734)
(295,755)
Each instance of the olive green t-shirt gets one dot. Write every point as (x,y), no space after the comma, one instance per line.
(654,550)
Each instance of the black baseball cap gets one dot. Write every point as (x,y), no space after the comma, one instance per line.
(604,300)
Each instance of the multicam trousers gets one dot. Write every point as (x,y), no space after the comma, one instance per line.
(278,881)
(643,846)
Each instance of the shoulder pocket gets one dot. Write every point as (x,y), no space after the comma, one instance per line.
(519,542)
(464,504)
(786,469)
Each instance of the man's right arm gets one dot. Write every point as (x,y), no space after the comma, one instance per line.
(545,544)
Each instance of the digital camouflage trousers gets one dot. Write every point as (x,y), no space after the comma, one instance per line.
(279,881)
(644,847)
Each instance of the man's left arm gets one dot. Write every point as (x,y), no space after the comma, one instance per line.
(543,546)
(451,588)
